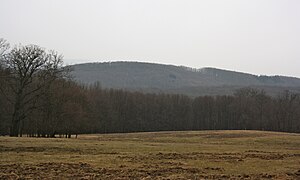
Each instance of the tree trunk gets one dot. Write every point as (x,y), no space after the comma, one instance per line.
(16,118)
(14,131)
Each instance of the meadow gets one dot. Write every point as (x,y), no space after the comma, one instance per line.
(155,155)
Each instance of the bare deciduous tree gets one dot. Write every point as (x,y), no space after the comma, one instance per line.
(4,46)
(31,69)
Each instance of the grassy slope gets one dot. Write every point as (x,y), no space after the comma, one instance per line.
(175,155)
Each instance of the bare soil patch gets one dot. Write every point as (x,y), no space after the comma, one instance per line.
(86,171)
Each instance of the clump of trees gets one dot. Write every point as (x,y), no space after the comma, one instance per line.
(27,75)
(111,111)
(38,99)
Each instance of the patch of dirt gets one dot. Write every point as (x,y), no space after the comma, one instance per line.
(234,135)
(216,157)
(256,151)
(86,171)
(266,155)
(46,170)
(214,169)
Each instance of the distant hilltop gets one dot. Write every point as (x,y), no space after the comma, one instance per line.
(160,78)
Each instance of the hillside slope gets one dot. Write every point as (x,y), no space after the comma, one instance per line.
(176,79)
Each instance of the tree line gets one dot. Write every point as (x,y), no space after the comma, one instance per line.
(39,99)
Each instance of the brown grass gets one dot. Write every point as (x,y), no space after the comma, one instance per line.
(162,155)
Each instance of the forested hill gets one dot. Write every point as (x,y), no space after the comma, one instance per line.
(151,77)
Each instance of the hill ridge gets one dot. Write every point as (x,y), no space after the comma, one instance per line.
(184,67)
(153,77)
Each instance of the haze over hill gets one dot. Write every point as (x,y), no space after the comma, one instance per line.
(149,77)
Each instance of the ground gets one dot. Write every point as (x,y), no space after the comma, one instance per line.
(161,155)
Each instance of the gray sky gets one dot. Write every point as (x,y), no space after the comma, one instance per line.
(255,36)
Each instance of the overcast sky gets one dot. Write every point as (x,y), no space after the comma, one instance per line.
(255,36)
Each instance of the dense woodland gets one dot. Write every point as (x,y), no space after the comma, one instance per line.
(39,99)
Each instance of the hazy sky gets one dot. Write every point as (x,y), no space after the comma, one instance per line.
(256,36)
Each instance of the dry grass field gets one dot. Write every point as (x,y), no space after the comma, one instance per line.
(161,155)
